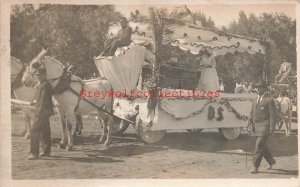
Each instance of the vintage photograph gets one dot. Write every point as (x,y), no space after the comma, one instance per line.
(153,91)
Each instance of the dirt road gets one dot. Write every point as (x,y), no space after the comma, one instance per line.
(178,155)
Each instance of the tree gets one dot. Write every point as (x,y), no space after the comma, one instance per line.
(21,31)
(277,31)
(74,34)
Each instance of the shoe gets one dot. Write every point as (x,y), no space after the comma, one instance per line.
(44,154)
(254,171)
(271,165)
(33,157)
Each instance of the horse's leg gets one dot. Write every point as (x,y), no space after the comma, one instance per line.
(25,130)
(62,116)
(69,119)
(79,125)
(288,124)
(280,121)
(103,130)
(27,124)
(109,124)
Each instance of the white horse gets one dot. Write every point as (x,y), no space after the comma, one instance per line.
(285,113)
(69,103)
(26,93)
(284,107)
(21,92)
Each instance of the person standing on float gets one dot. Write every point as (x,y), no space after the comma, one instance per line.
(209,80)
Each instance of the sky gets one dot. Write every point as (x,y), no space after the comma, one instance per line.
(220,13)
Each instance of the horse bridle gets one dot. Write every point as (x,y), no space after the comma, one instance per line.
(43,64)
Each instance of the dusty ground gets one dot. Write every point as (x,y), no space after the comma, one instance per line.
(178,155)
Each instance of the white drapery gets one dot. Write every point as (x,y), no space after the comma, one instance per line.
(122,71)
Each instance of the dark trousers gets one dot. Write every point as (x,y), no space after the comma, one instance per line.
(262,151)
(40,133)
(280,78)
(115,44)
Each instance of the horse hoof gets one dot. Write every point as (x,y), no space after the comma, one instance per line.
(101,140)
(61,146)
(69,148)
(27,136)
(106,144)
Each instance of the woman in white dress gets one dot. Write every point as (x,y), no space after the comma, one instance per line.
(209,80)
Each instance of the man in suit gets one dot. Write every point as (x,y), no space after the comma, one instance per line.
(40,130)
(123,38)
(263,116)
(284,71)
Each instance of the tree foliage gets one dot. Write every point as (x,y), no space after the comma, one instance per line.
(276,31)
(74,34)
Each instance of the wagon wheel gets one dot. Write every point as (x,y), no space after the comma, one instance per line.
(148,136)
(121,126)
(194,131)
(230,133)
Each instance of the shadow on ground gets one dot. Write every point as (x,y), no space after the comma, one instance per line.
(214,142)
(281,172)
(211,142)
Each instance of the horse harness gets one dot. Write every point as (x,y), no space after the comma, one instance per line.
(64,84)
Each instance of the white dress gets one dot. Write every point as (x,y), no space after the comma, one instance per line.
(209,80)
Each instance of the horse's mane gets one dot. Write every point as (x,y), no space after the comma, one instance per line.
(17,81)
(54,60)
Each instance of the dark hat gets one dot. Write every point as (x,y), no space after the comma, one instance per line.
(261,84)
(41,71)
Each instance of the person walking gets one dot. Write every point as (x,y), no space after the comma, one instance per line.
(40,131)
(263,116)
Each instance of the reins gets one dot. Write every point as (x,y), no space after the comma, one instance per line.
(82,98)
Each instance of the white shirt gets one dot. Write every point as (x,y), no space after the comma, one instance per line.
(284,66)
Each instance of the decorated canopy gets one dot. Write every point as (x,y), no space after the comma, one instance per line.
(195,39)
(188,35)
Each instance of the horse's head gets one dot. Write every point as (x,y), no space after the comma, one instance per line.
(29,77)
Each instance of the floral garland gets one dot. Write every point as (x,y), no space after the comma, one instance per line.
(211,111)
(231,109)
(190,115)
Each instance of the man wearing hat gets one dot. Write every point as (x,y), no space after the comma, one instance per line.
(123,38)
(263,116)
(284,71)
(40,130)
